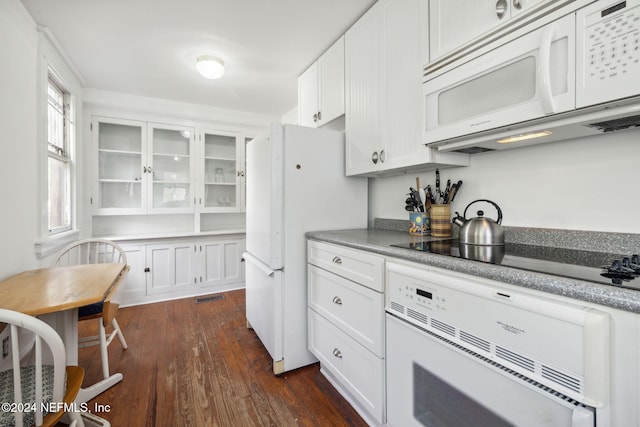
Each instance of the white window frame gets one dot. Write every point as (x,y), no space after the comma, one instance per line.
(53,63)
(64,154)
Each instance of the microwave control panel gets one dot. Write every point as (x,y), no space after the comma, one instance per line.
(609,48)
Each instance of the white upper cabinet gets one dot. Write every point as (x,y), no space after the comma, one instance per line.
(171,168)
(363,100)
(384,54)
(221,171)
(120,159)
(142,167)
(321,88)
(454,23)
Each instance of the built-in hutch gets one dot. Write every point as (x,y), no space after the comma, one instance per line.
(171,192)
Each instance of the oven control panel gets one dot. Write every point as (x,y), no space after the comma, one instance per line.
(417,296)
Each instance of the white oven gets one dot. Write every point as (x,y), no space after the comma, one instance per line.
(463,353)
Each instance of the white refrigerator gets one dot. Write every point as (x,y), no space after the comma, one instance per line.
(296,182)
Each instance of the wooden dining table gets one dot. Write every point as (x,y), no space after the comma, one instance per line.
(54,294)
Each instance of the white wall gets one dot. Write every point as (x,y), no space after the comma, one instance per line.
(586,184)
(19,213)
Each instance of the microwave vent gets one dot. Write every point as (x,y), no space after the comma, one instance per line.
(473,150)
(617,124)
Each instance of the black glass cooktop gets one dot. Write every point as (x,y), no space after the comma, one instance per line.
(603,268)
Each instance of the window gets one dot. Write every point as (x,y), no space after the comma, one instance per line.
(60,130)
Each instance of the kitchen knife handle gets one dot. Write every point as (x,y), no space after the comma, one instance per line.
(458,185)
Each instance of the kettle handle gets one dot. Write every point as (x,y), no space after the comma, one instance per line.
(499,221)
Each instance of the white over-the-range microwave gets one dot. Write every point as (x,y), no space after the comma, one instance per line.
(571,73)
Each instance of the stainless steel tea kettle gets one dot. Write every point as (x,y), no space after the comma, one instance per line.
(480,230)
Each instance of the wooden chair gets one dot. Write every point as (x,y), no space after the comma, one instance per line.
(97,251)
(41,384)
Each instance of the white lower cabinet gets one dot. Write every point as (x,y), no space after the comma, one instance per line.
(178,268)
(133,284)
(219,262)
(170,267)
(351,367)
(346,324)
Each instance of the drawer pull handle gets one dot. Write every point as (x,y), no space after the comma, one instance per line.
(337,260)
(337,300)
(337,353)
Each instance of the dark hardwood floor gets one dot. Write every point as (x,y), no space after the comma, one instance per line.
(197,364)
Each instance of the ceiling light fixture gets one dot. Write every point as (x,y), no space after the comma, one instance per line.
(210,67)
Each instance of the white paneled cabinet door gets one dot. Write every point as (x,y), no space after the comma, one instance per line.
(402,102)
(220,262)
(453,23)
(133,284)
(170,267)
(308,97)
(331,83)
(222,172)
(170,168)
(120,155)
(456,22)
(363,86)
(321,88)
(524,6)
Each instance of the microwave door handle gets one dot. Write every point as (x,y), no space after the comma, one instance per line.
(544,71)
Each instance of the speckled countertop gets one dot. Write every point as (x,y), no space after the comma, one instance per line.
(379,241)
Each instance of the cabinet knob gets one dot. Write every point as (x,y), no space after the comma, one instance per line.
(374,157)
(337,353)
(315,118)
(501,8)
(337,260)
(517,4)
(337,300)
(382,156)
(144,169)
(319,116)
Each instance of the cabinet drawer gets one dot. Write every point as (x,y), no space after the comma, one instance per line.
(357,369)
(357,310)
(359,266)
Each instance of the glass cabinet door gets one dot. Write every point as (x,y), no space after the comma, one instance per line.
(221,173)
(120,164)
(170,168)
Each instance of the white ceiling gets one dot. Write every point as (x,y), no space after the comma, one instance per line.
(149,47)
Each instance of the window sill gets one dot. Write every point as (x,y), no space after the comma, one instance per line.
(50,244)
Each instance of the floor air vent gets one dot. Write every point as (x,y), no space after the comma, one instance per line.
(209,298)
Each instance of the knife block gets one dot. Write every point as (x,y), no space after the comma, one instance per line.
(440,220)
